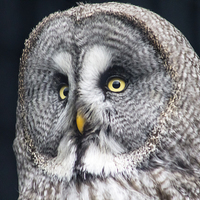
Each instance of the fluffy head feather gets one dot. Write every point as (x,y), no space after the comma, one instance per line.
(140,143)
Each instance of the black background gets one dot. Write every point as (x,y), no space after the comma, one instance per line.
(17,19)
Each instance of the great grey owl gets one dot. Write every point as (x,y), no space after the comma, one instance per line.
(108,108)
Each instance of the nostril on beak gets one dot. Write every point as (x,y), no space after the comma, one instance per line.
(80,122)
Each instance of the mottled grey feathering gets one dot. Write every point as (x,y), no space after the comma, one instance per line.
(140,143)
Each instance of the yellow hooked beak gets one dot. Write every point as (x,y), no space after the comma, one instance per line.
(80,122)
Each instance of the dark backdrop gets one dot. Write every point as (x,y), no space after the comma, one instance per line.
(17,19)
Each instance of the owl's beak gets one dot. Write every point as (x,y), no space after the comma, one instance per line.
(80,122)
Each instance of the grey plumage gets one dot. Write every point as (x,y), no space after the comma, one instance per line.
(141,142)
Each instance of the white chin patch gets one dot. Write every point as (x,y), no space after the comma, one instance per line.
(97,162)
(100,160)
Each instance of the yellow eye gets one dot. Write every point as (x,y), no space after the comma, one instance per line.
(116,84)
(64,91)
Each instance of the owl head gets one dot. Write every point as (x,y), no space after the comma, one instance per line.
(103,92)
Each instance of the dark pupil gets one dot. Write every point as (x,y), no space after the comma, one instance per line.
(65,92)
(116,84)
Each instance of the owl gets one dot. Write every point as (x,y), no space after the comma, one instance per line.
(108,108)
